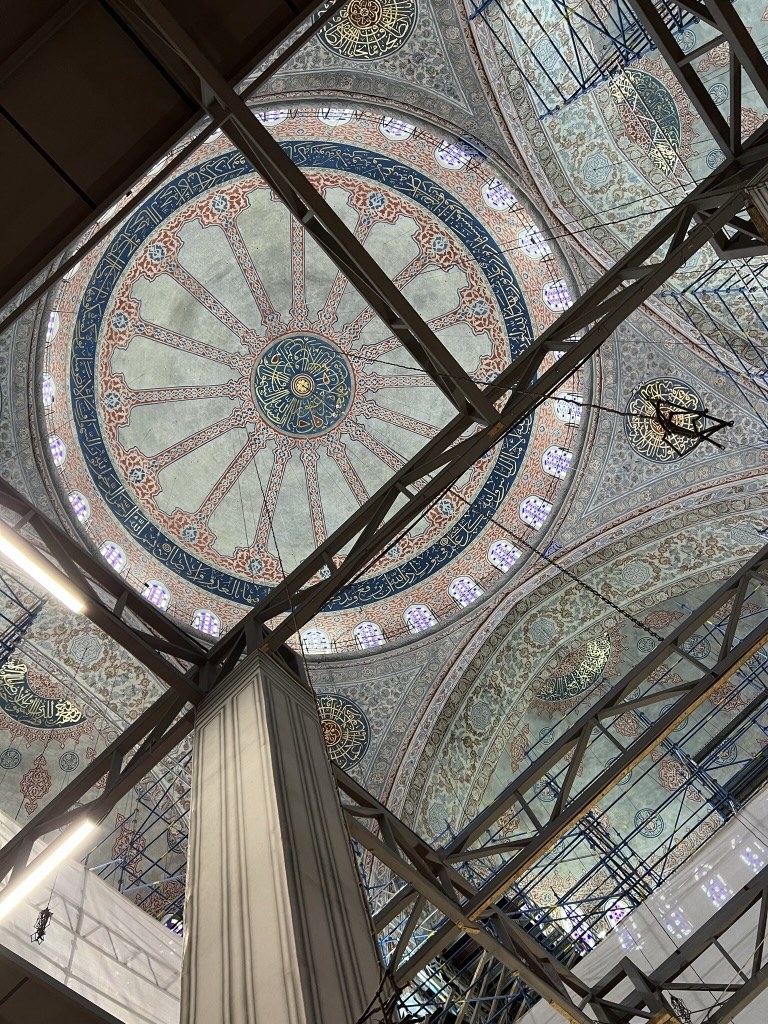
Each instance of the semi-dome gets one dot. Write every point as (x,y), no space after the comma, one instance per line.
(218,399)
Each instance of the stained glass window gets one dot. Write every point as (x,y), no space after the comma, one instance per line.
(53,326)
(80,506)
(272,116)
(567,408)
(335,115)
(503,555)
(497,195)
(206,622)
(557,295)
(533,244)
(368,634)
(464,591)
(315,641)
(418,617)
(394,128)
(114,555)
(534,511)
(48,390)
(452,155)
(557,461)
(58,449)
(157,594)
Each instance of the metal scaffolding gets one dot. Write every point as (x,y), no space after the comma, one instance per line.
(19,607)
(464,916)
(578,46)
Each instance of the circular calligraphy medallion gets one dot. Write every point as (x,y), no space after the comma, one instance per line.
(10,758)
(369,29)
(68,761)
(302,385)
(649,823)
(646,434)
(345,729)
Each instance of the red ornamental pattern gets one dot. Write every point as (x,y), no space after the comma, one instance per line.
(128,845)
(35,783)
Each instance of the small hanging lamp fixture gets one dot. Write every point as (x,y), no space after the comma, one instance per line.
(681,421)
(44,918)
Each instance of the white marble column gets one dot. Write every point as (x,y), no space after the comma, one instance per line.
(275,927)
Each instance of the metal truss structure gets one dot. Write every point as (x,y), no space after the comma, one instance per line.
(740,236)
(19,607)
(723,964)
(715,212)
(667,685)
(605,37)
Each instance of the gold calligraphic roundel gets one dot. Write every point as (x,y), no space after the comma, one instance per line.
(369,29)
(345,729)
(302,385)
(645,433)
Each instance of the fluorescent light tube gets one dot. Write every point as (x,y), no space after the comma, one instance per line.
(37,568)
(43,866)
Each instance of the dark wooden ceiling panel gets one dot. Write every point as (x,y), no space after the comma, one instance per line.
(85,108)
(35,202)
(232,34)
(103,119)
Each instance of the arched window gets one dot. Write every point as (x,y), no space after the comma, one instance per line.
(395,129)
(497,195)
(80,506)
(464,591)
(48,390)
(557,461)
(53,327)
(113,555)
(534,511)
(272,116)
(58,449)
(335,115)
(533,244)
(418,618)
(157,594)
(368,634)
(557,295)
(206,622)
(315,641)
(568,407)
(452,155)
(503,555)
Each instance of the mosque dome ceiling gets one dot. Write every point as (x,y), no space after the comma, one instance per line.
(218,399)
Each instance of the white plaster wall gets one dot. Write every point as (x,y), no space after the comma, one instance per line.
(99,944)
(655,930)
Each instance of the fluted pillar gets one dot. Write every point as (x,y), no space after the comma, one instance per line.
(275,928)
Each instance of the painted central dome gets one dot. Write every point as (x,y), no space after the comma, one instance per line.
(225,399)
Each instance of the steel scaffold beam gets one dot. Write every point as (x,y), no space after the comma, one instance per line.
(681,233)
(515,393)
(434,878)
(435,875)
(518,390)
(132,201)
(143,630)
(740,237)
(567,755)
(658,989)
(216,97)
